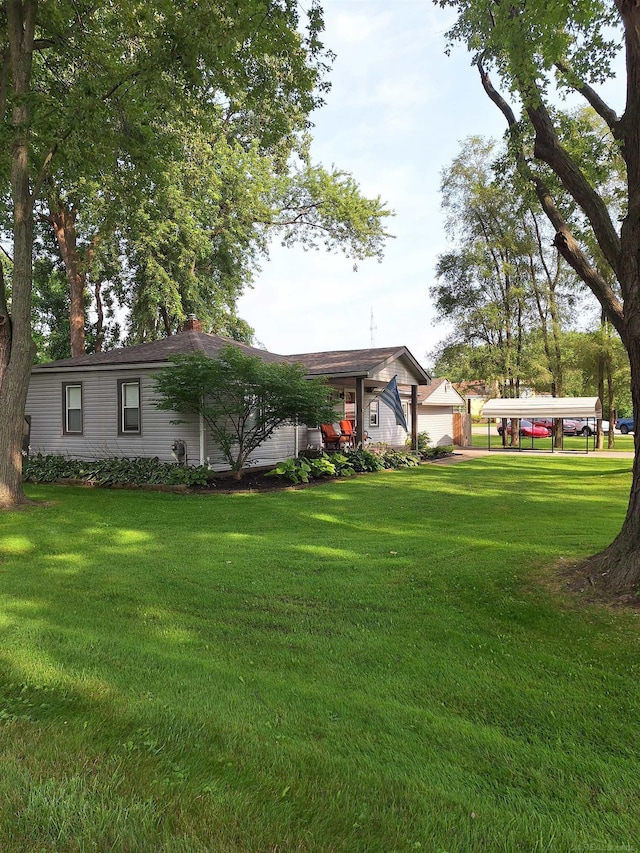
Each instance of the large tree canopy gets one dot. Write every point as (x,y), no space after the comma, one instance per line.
(97,82)
(190,156)
(189,230)
(526,52)
(156,146)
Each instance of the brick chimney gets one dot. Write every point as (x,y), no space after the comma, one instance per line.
(192,324)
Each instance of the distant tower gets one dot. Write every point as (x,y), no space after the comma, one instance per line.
(372,330)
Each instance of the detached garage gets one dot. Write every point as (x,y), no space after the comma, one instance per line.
(438,403)
(533,408)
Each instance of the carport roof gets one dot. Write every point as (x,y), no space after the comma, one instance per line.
(543,407)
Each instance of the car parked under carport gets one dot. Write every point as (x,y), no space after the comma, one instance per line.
(527,429)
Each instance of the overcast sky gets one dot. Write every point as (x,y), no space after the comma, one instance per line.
(396,115)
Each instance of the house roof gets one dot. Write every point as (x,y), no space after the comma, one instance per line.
(357,362)
(159,351)
(345,363)
(425,392)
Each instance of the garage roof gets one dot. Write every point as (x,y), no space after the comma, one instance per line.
(543,407)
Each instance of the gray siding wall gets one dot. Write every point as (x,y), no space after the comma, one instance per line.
(438,422)
(387,431)
(100,439)
(445,396)
(281,445)
(405,375)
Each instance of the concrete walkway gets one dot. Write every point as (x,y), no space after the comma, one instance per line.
(463,454)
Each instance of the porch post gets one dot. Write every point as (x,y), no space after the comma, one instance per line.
(359,411)
(414,417)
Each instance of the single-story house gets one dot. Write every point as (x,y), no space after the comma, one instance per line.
(101,405)
(438,405)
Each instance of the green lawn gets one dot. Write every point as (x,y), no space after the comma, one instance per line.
(366,665)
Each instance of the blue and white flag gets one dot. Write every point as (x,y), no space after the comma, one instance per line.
(391,397)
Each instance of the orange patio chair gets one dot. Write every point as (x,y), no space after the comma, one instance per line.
(331,437)
(349,432)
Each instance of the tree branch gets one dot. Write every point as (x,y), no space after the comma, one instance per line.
(44,169)
(605,112)
(42,174)
(564,240)
(548,148)
(571,252)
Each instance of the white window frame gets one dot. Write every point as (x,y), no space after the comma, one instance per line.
(122,426)
(67,408)
(374,413)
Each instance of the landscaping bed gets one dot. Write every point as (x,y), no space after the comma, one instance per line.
(150,473)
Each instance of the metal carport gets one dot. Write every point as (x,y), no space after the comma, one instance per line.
(542,407)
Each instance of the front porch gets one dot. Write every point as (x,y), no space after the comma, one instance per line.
(358,377)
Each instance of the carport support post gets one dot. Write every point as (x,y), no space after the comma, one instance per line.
(359,412)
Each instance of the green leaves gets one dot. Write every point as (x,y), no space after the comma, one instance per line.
(305,468)
(325,209)
(524,41)
(112,472)
(294,470)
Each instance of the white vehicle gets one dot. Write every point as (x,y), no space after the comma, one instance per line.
(588,427)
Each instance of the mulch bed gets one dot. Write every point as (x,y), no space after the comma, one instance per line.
(257,481)
(253,481)
(249,481)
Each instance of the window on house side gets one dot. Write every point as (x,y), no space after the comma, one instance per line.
(257,414)
(72,402)
(129,396)
(374,413)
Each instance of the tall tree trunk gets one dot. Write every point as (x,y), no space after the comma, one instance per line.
(601,371)
(553,357)
(18,348)
(5,327)
(599,430)
(618,566)
(63,222)
(97,289)
(166,322)
(611,414)
(97,293)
